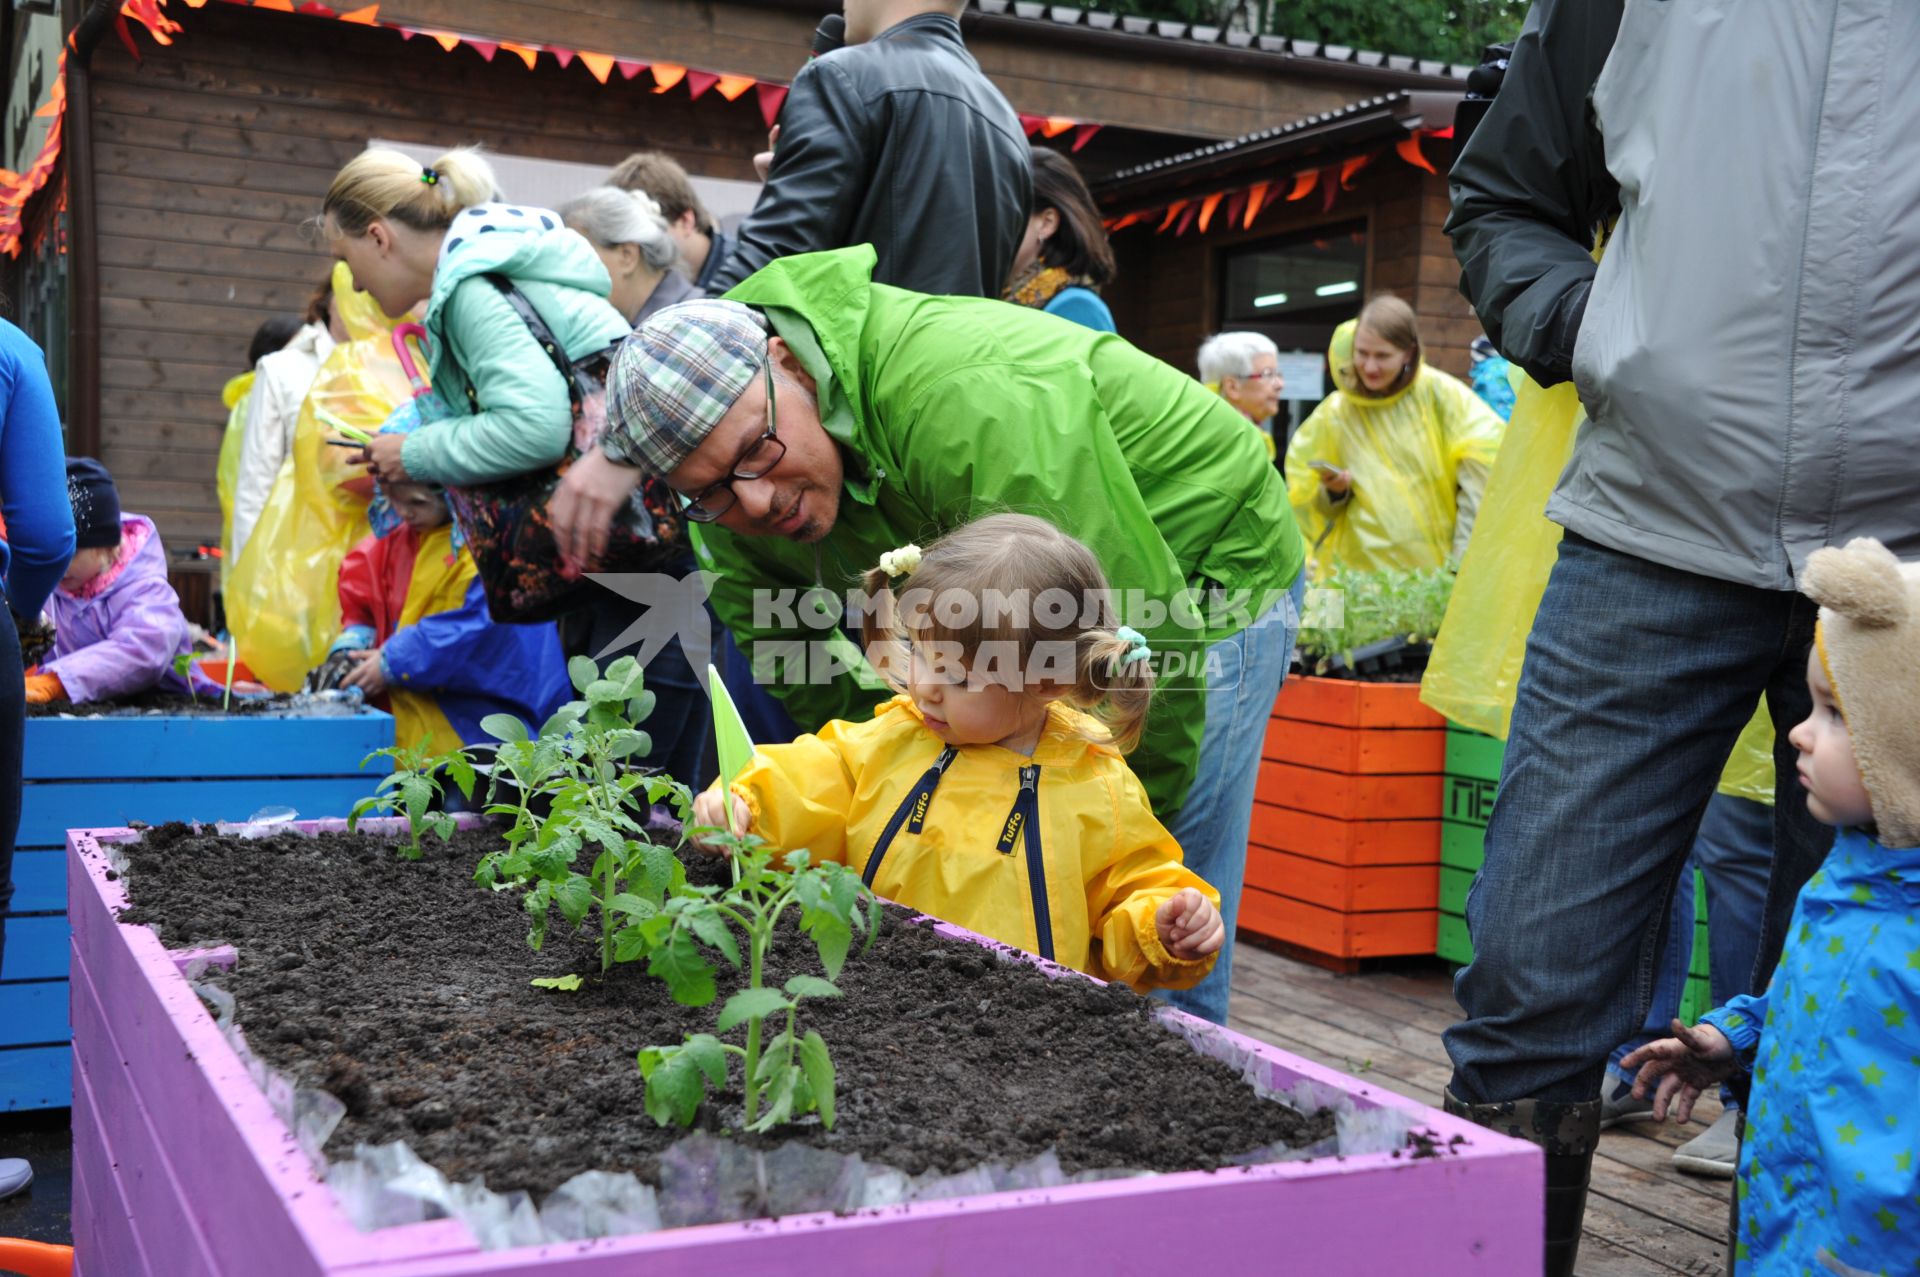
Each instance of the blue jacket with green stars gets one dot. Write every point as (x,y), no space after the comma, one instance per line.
(1828,1179)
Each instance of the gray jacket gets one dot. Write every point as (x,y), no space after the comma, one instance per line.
(1748,350)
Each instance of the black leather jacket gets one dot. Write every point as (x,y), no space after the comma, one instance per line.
(902,143)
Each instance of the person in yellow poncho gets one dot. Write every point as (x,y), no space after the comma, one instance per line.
(1388,471)
(978,795)
(237,397)
(415,635)
(281,597)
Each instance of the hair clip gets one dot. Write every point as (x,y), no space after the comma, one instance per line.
(1137,649)
(430,177)
(904,561)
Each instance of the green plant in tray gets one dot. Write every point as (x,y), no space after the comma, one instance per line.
(577,765)
(1373,607)
(790,1074)
(411,788)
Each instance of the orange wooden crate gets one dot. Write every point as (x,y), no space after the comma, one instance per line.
(1347,888)
(1365,751)
(1347,797)
(1339,702)
(1329,931)
(1345,842)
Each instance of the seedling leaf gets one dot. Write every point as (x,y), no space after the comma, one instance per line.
(713,930)
(564,983)
(583,673)
(575,898)
(749,1004)
(812,986)
(505,727)
(819,1070)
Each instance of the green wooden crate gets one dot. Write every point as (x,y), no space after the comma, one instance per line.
(1453,944)
(1453,889)
(1471,754)
(1462,846)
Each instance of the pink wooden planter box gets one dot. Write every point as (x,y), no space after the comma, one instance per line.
(182,1169)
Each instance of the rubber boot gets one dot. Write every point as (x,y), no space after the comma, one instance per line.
(1569,1133)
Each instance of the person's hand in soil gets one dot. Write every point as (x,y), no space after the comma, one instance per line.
(706,811)
(1682,1066)
(382,456)
(367,674)
(1189,925)
(590,494)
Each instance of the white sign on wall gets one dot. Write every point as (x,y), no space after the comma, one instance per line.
(1305,375)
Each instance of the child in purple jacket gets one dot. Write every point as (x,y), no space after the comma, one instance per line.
(117,623)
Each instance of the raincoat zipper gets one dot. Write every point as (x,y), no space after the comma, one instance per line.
(913,807)
(1025,818)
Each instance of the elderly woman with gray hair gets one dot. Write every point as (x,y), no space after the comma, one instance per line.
(1244,369)
(631,238)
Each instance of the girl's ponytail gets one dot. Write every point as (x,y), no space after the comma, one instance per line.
(1116,683)
(382,183)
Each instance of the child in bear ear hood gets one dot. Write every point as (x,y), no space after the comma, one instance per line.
(1834,1042)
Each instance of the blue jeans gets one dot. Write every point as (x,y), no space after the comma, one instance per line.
(1733,853)
(1638,680)
(1244,673)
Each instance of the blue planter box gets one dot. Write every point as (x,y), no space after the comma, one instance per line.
(87,773)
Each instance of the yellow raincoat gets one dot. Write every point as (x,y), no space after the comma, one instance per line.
(1474,672)
(439,584)
(281,599)
(1419,457)
(235,395)
(849,794)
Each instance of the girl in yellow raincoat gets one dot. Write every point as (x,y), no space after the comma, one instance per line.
(282,600)
(1389,470)
(992,792)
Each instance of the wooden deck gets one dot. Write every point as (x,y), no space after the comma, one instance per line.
(1643,1217)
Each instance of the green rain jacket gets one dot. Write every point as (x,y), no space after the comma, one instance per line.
(950,408)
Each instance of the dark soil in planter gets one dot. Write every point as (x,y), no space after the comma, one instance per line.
(159,702)
(1389,661)
(402,989)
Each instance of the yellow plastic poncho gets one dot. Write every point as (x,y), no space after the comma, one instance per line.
(1474,671)
(1109,864)
(1419,457)
(282,601)
(226,476)
(439,584)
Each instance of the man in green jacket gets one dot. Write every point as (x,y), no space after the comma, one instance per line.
(901,416)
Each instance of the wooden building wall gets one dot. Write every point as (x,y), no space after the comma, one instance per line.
(1166,299)
(215,151)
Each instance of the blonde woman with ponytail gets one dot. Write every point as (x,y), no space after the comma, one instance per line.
(992,791)
(435,233)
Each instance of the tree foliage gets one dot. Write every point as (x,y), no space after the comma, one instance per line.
(1445,30)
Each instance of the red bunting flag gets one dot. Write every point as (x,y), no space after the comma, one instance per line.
(1236,204)
(1186,220)
(1083,134)
(629,67)
(485,48)
(772,97)
(564,56)
(699,82)
(1032,123)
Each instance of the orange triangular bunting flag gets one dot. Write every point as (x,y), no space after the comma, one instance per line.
(1206,211)
(366,17)
(666,75)
(1303,184)
(1409,149)
(1255,198)
(732,86)
(600,64)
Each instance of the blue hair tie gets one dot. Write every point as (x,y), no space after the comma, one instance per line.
(1137,649)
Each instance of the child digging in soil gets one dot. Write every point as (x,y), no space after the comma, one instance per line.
(118,628)
(992,792)
(1828,1180)
(416,635)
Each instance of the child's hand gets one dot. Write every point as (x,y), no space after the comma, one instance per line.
(1189,925)
(42,688)
(1684,1065)
(367,674)
(706,811)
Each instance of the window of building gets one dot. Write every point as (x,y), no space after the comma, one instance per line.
(1297,289)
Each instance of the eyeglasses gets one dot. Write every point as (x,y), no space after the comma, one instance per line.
(759,460)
